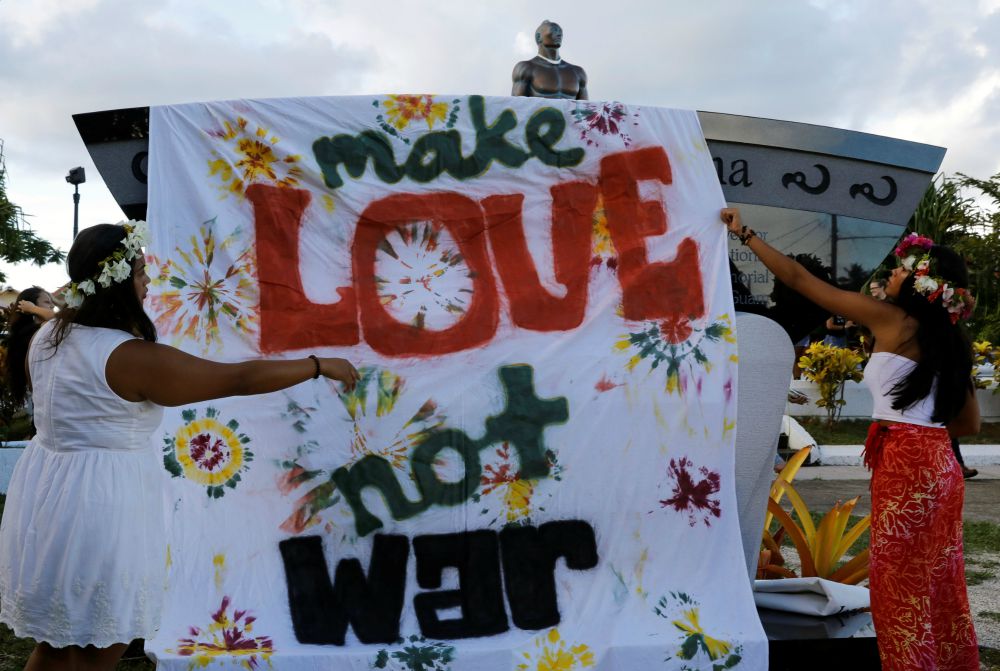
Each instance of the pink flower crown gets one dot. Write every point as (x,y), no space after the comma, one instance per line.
(914,255)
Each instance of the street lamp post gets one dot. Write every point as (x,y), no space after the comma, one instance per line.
(76,177)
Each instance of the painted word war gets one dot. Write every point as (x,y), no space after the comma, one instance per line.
(650,289)
(372,605)
(521,424)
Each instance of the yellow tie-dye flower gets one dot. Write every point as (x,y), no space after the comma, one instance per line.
(403,109)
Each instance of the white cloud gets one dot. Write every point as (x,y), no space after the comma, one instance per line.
(917,69)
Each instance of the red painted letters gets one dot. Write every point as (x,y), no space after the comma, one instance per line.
(289,320)
(531,306)
(463,219)
(650,291)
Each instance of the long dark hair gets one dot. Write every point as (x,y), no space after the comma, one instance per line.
(945,349)
(113,307)
(21,328)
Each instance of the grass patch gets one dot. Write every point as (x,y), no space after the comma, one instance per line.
(990,658)
(981,537)
(854,432)
(973,578)
(14,653)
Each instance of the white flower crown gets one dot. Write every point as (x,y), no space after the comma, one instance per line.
(115,268)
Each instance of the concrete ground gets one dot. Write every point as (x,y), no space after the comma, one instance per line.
(822,486)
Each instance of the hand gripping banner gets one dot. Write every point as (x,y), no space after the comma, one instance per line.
(535,472)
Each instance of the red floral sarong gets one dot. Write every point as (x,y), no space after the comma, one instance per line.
(919,603)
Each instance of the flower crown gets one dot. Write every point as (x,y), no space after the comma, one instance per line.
(114,268)
(914,255)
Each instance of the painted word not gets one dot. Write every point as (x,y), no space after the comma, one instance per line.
(650,290)
(436,152)
(372,604)
(521,424)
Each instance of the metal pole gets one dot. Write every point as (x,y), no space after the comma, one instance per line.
(833,248)
(76,209)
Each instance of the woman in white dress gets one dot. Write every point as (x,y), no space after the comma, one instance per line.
(82,555)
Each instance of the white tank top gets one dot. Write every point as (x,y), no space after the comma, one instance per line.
(883,372)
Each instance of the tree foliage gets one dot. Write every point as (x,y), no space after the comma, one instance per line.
(980,244)
(18,242)
(964,213)
(952,212)
(945,213)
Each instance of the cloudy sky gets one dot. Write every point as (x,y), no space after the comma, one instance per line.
(921,70)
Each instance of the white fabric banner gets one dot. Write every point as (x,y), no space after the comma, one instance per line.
(536,469)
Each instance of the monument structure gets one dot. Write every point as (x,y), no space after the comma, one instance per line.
(547,75)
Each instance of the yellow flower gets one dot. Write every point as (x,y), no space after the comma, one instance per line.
(402,109)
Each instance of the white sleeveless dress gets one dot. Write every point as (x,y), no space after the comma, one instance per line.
(82,551)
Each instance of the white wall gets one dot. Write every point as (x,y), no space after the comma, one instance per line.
(8,457)
(859,402)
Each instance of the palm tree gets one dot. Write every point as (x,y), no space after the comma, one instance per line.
(17,241)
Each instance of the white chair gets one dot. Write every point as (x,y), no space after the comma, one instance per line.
(765,372)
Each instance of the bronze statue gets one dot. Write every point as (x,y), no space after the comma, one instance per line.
(546,75)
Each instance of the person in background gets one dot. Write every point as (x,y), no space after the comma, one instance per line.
(32,307)
(36,302)
(836,331)
(82,540)
(877,289)
(966,471)
(923,395)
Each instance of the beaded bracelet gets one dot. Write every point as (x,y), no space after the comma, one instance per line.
(746,234)
(315,361)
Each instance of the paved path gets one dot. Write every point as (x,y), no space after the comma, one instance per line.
(822,486)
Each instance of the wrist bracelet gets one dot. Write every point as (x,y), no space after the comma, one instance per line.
(746,234)
(316,362)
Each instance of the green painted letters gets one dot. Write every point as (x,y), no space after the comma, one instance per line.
(521,424)
(435,152)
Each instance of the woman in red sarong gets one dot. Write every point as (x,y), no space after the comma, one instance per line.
(919,376)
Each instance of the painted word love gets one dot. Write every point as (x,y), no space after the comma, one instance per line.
(650,290)
(321,610)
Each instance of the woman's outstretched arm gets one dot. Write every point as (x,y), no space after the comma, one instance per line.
(143,371)
(30,308)
(856,307)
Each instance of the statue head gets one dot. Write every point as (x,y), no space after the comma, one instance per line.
(549,34)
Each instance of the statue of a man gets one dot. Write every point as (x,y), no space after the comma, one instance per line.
(546,75)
